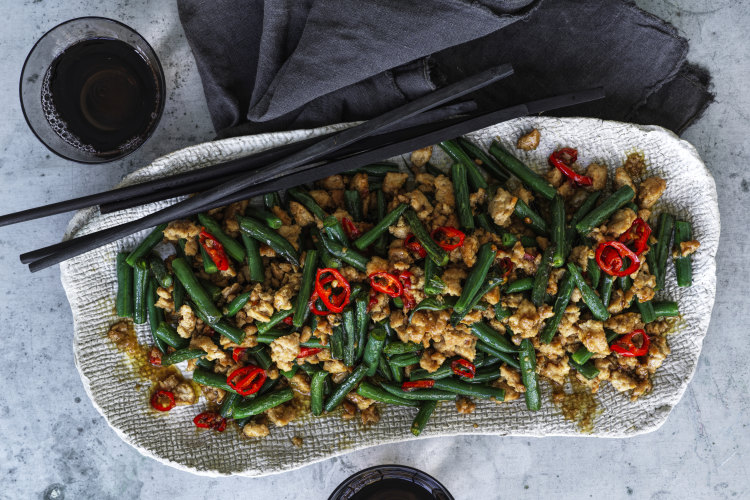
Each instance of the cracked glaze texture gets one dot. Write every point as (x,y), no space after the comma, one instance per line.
(90,283)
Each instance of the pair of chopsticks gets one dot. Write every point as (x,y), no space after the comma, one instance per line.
(299,166)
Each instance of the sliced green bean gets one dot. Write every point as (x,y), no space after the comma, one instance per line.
(271,200)
(521,285)
(219,380)
(474,176)
(541,278)
(527,359)
(227,406)
(196,292)
(380,228)
(601,213)
(471,390)
(208,263)
(337,342)
(254,260)
(507,358)
(606,289)
(301,304)
(272,220)
(419,394)
(345,387)
(326,258)
(489,164)
(461,193)
(402,348)
(353,203)
(373,349)
(582,355)
(403,360)
(683,231)
(646,309)
(140,281)
(346,254)
(524,173)
(502,313)
(263,403)
(564,291)
(559,230)
(124,301)
(594,272)
(485,258)
(489,374)
(276,318)
(665,309)
(317,390)
(423,415)
(493,338)
(380,169)
(155,315)
(376,393)
(590,298)
(181,355)
(530,217)
(148,244)
(231,246)
(586,207)
(433,284)
(167,334)
(362,322)
(159,271)
(237,304)
(306,200)
(588,369)
(437,254)
(661,250)
(264,234)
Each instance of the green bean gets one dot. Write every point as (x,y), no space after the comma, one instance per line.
(505,357)
(461,193)
(155,315)
(314,343)
(586,207)
(205,364)
(237,304)
(524,173)
(124,301)
(520,285)
(381,228)
(683,231)
(345,387)
(233,249)
(606,289)
(159,271)
(361,321)
(376,393)
(148,244)
(326,258)
(301,304)
(529,241)
(661,250)
(588,369)
(335,231)
(306,200)
(181,355)
(558,231)
(601,213)
(167,334)
(433,284)
(565,290)
(489,374)
(403,360)
(474,176)
(208,263)
(582,355)
(213,291)
(507,239)
(665,309)
(485,258)
(501,312)
(541,278)
(646,309)
(317,388)
(290,373)
(196,292)
(262,358)
(423,415)
(419,394)
(433,170)
(271,200)
(466,389)
(276,318)
(437,254)
(227,406)
(594,272)
(383,369)
(346,254)
(231,332)
(271,220)
(590,298)
(267,386)
(263,403)
(353,203)
(527,359)
(211,379)
(493,338)
(337,342)
(348,322)
(489,164)
(380,169)
(263,234)
(444,371)
(530,217)
(140,280)
(381,242)
(373,349)
(254,260)
(178,295)
(402,348)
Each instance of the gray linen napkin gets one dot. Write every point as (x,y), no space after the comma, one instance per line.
(282,64)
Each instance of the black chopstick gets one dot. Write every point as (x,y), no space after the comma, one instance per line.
(438,115)
(63,251)
(281,167)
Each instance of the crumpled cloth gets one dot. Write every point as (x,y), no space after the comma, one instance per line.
(287,64)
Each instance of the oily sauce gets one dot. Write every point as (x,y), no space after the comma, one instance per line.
(101,95)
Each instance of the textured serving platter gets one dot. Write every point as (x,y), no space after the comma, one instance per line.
(112,382)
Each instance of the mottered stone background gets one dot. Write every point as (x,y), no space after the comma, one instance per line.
(53,443)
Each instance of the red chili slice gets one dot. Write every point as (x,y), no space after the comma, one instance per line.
(445,235)
(411,243)
(247,380)
(626,347)
(350,228)
(210,420)
(418,384)
(373,299)
(334,302)
(214,249)
(308,351)
(314,306)
(562,159)
(611,256)
(162,400)
(408,298)
(386,283)
(507,266)
(287,321)
(637,235)
(238,353)
(463,368)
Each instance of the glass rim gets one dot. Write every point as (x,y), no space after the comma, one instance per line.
(389,471)
(159,74)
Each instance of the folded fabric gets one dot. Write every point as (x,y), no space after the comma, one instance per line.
(284,64)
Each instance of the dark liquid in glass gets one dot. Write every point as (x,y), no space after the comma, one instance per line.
(101,95)
(393,489)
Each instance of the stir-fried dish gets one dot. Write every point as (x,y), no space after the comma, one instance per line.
(382,287)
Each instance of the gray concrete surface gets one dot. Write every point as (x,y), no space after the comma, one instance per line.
(54,445)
